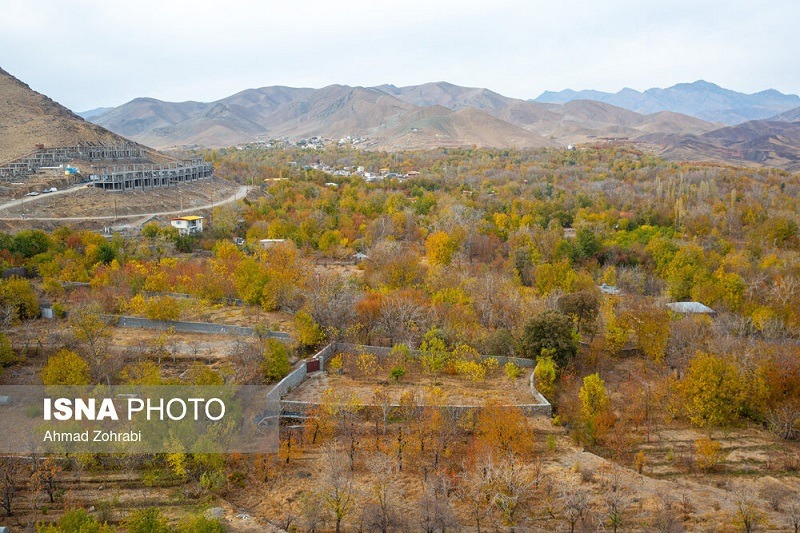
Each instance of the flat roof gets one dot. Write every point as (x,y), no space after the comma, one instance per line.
(189,218)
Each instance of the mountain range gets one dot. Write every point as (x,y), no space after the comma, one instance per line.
(396,118)
(442,114)
(700,99)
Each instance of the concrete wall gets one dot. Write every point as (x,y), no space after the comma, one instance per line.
(541,407)
(189,327)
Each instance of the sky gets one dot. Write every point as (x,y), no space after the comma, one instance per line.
(103,53)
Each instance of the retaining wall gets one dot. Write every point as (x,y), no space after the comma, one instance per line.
(189,327)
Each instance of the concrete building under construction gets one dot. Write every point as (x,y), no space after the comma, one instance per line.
(139,177)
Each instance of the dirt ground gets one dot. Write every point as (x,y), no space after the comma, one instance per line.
(458,390)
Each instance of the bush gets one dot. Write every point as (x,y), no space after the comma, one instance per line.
(75,520)
(512,371)
(66,368)
(275,365)
(201,524)
(475,371)
(7,356)
(544,376)
(147,521)
(397,373)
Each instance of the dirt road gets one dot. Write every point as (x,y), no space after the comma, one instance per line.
(238,195)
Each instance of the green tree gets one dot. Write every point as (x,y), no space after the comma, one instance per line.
(29,243)
(7,355)
(550,331)
(275,364)
(583,307)
(147,521)
(75,520)
(66,368)
(201,524)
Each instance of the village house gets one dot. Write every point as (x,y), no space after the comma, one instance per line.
(188,225)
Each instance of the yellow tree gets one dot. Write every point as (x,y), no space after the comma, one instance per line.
(712,392)
(595,410)
(440,248)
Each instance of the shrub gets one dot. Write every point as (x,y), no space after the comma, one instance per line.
(545,376)
(397,373)
(75,520)
(275,364)
(66,368)
(147,521)
(512,371)
(475,371)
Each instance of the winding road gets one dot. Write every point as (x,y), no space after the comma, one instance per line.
(238,195)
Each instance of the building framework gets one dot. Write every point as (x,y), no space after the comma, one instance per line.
(46,157)
(133,177)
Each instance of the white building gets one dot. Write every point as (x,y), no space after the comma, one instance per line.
(188,225)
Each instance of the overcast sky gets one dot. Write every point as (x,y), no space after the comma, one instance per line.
(92,53)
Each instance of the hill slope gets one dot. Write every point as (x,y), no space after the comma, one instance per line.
(30,118)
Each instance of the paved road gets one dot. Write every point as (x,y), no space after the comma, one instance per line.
(238,195)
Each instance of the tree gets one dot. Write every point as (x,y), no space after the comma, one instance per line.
(381,512)
(75,520)
(10,473)
(550,330)
(545,375)
(335,487)
(712,391)
(7,356)
(275,364)
(66,368)
(595,409)
(440,248)
(574,505)
(92,331)
(584,307)
(148,520)
(18,300)
(504,429)
(46,476)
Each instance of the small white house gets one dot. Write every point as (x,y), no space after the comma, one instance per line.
(188,225)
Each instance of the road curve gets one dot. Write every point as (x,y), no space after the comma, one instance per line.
(238,195)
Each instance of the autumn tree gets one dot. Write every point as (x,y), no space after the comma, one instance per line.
(595,409)
(11,472)
(711,393)
(92,331)
(504,429)
(441,247)
(66,368)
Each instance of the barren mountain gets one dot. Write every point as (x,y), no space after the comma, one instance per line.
(30,118)
(442,127)
(760,142)
(700,99)
(793,115)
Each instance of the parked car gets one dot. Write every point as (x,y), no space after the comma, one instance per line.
(51,189)
(32,193)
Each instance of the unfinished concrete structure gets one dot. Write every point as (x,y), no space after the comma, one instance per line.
(48,157)
(133,177)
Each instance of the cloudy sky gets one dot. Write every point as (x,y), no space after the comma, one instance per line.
(92,53)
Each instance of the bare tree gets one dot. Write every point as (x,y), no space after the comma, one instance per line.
(665,518)
(508,487)
(381,513)
(748,514)
(245,358)
(331,300)
(435,510)
(574,505)
(335,487)
(10,473)
(617,498)
(793,516)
